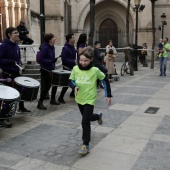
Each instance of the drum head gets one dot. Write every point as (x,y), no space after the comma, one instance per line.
(27,82)
(61,71)
(8,93)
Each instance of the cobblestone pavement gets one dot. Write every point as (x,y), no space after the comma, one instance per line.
(129,138)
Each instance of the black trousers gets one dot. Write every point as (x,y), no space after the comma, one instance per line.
(46,85)
(26,40)
(87,116)
(64,89)
(12,75)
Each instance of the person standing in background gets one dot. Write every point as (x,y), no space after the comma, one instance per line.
(110,46)
(69,60)
(23,33)
(164,56)
(81,43)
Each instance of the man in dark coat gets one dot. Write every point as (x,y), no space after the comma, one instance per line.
(23,33)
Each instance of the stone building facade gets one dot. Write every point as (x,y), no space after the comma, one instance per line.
(63,16)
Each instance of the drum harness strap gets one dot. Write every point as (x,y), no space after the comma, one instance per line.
(66,68)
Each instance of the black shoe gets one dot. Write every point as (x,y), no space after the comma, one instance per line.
(41,106)
(61,100)
(72,95)
(54,102)
(23,110)
(5,123)
(47,97)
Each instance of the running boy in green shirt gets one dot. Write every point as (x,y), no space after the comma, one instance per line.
(83,80)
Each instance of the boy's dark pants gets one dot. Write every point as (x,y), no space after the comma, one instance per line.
(87,116)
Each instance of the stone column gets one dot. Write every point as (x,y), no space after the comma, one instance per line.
(17,12)
(4,12)
(11,13)
(24,10)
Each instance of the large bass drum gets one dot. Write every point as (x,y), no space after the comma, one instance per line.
(60,78)
(9,98)
(27,87)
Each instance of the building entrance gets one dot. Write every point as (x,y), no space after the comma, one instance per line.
(108,31)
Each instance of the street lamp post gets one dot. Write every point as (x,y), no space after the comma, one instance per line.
(164,23)
(42,20)
(137,9)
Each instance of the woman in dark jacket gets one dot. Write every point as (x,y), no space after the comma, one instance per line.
(47,61)
(81,43)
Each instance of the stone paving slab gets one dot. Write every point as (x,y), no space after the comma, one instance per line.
(125,107)
(155,156)
(149,84)
(164,127)
(123,144)
(55,144)
(101,159)
(136,90)
(111,118)
(125,99)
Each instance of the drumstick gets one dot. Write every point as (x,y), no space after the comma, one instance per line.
(7,80)
(19,66)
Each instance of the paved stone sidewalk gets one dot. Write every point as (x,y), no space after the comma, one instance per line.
(129,138)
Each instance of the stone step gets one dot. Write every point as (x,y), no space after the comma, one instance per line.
(32,71)
(34,76)
(31,66)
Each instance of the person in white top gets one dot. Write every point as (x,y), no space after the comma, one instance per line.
(110,46)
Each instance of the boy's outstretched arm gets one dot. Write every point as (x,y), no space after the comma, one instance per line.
(107,90)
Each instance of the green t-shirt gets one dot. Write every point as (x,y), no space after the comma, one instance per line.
(167,46)
(86,81)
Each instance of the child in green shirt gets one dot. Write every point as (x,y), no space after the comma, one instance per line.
(83,80)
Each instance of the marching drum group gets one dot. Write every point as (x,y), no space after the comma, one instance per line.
(78,73)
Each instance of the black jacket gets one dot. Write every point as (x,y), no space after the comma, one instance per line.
(98,57)
(22,31)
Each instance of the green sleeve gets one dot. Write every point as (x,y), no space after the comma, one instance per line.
(100,75)
(72,76)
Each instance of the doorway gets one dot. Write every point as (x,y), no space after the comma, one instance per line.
(108,30)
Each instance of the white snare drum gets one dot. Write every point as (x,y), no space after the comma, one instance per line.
(9,98)
(60,78)
(28,88)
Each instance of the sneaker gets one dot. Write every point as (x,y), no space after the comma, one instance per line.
(54,102)
(5,123)
(100,121)
(23,110)
(84,150)
(72,95)
(61,100)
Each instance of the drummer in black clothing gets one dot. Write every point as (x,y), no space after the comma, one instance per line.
(9,57)
(47,61)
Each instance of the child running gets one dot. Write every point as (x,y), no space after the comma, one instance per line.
(83,80)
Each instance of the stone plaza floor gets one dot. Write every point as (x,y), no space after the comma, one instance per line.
(129,139)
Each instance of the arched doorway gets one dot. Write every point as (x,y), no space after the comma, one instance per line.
(108,31)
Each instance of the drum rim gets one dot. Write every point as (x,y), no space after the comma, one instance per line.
(61,71)
(27,85)
(12,89)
